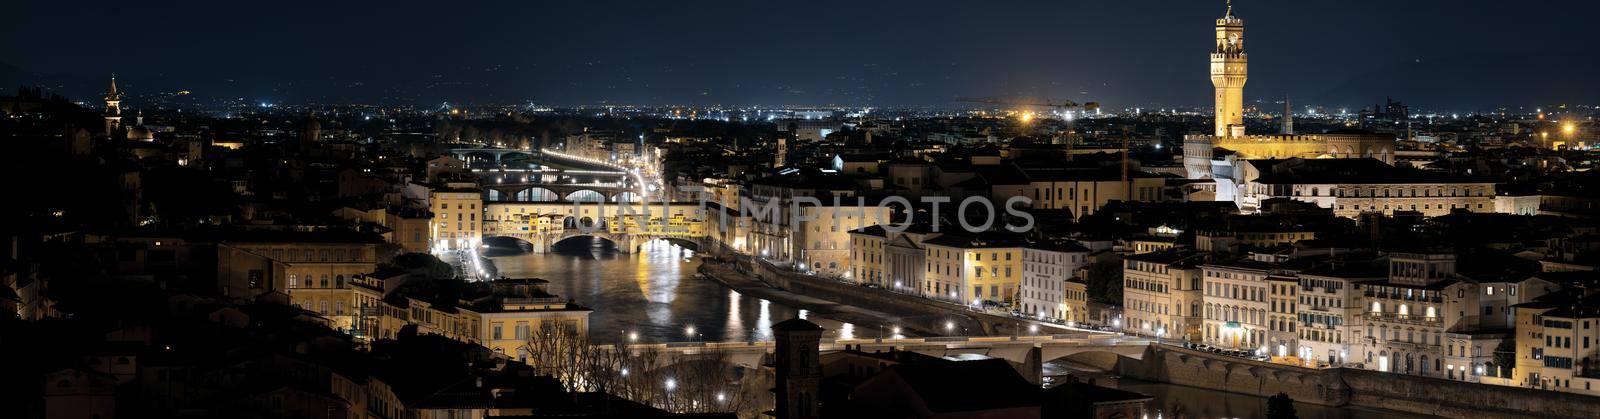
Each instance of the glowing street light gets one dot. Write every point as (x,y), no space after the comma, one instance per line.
(672,384)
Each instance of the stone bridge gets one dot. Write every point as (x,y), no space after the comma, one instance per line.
(495,155)
(543,242)
(518,191)
(543,224)
(1027,353)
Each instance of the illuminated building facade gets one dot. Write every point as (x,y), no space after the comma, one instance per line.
(456,209)
(1229,70)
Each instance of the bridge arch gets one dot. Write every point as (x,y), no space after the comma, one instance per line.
(539,194)
(580,223)
(476,156)
(515,155)
(508,242)
(642,246)
(594,240)
(585,195)
(1100,360)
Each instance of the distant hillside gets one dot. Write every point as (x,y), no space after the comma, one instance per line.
(1514,79)
(74,88)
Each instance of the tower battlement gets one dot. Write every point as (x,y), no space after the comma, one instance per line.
(1229,71)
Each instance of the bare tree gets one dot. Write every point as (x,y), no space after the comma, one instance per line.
(702,382)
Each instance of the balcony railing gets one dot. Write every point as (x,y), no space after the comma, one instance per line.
(1399,318)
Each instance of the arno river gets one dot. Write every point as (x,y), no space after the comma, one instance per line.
(655,293)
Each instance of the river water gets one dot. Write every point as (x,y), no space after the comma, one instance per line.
(655,294)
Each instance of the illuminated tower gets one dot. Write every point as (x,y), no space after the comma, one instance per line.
(782,153)
(113,109)
(1228,70)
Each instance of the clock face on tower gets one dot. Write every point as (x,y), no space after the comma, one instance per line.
(1233,39)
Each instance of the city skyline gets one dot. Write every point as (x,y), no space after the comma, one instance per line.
(873,210)
(1336,54)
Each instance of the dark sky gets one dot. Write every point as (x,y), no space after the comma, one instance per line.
(1452,55)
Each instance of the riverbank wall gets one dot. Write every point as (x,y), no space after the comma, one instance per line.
(1353,387)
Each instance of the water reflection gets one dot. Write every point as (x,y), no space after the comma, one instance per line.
(652,294)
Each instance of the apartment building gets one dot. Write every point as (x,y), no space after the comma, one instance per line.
(1047,268)
(1161,294)
(973,269)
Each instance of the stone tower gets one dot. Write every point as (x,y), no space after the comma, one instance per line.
(1228,73)
(113,109)
(311,133)
(798,369)
(1288,117)
(783,151)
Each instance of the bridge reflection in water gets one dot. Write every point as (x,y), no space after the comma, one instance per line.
(1017,349)
(654,296)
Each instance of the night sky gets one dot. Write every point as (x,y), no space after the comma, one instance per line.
(1460,55)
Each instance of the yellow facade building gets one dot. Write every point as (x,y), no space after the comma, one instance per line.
(502,315)
(458,210)
(971,270)
(317,267)
(867,249)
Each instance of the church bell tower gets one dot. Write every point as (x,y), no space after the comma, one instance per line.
(1228,72)
(113,109)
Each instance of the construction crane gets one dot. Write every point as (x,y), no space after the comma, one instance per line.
(1065,106)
